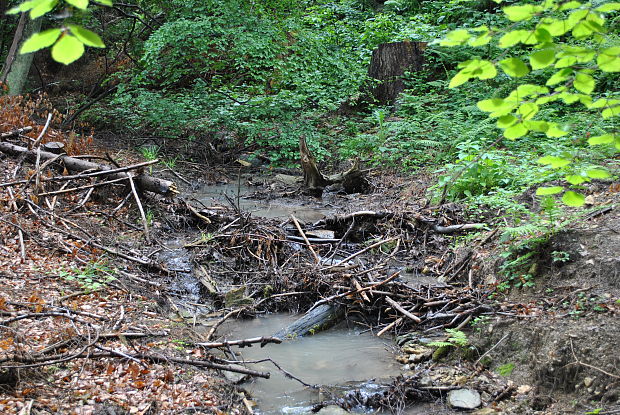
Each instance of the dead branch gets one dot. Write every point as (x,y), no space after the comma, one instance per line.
(16,132)
(242,343)
(144,182)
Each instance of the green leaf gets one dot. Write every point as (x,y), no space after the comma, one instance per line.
(554,26)
(80,4)
(522,12)
(546,191)
(609,7)
(515,131)
(527,110)
(68,49)
(455,38)
(105,2)
(559,76)
(554,161)
(514,67)
(40,40)
(598,174)
(542,58)
(506,121)
(601,139)
(611,112)
(459,79)
(86,36)
(485,70)
(575,179)
(490,105)
(535,125)
(574,199)
(23,7)
(555,131)
(42,8)
(570,5)
(515,37)
(609,59)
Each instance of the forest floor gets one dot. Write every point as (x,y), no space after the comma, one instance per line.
(94,319)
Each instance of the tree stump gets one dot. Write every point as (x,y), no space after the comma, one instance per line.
(353,180)
(389,63)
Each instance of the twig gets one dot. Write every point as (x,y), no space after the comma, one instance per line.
(402,310)
(491,349)
(350,257)
(303,235)
(142,215)
(36,142)
(222,320)
(389,326)
(579,362)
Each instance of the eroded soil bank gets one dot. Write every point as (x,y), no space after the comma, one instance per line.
(109,310)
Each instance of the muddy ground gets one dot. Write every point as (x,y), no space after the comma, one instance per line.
(99,317)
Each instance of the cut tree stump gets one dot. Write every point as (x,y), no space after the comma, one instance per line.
(353,180)
(388,64)
(317,319)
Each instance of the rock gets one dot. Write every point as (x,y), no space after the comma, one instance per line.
(587,381)
(523,389)
(485,411)
(418,353)
(235,377)
(236,297)
(464,399)
(332,410)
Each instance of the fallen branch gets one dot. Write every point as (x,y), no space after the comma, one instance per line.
(400,308)
(242,343)
(16,132)
(144,182)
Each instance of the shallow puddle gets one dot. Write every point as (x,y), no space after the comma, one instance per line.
(333,357)
(276,208)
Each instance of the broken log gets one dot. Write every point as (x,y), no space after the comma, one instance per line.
(144,182)
(353,180)
(318,319)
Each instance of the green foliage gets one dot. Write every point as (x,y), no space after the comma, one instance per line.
(570,51)
(506,369)
(68,41)
(91,277)
(456,338)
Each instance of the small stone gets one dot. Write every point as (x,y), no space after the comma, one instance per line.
(332,410)
(235,377)
(485,411)
(464,399)
(587,381)
(523,389)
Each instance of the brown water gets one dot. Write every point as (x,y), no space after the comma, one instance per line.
(335,357)
(276,208)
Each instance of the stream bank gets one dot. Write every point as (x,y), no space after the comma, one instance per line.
(161,310)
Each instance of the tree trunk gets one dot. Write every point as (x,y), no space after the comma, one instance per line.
(17,66)
(321,318)
(388,64)
(314,181)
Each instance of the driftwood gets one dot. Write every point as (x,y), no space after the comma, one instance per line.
(353,180)
(317,319)
(144,182)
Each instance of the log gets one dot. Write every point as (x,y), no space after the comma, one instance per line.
(318,319)
(144,182)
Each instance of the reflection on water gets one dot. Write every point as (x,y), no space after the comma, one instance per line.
(333,357)
(216,195)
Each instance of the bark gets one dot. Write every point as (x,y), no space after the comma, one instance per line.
(353,180)
(144,182)
(388,64)
(317,319)
(17,66)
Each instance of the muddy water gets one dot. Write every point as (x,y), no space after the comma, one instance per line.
(334,357)
(277,208)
